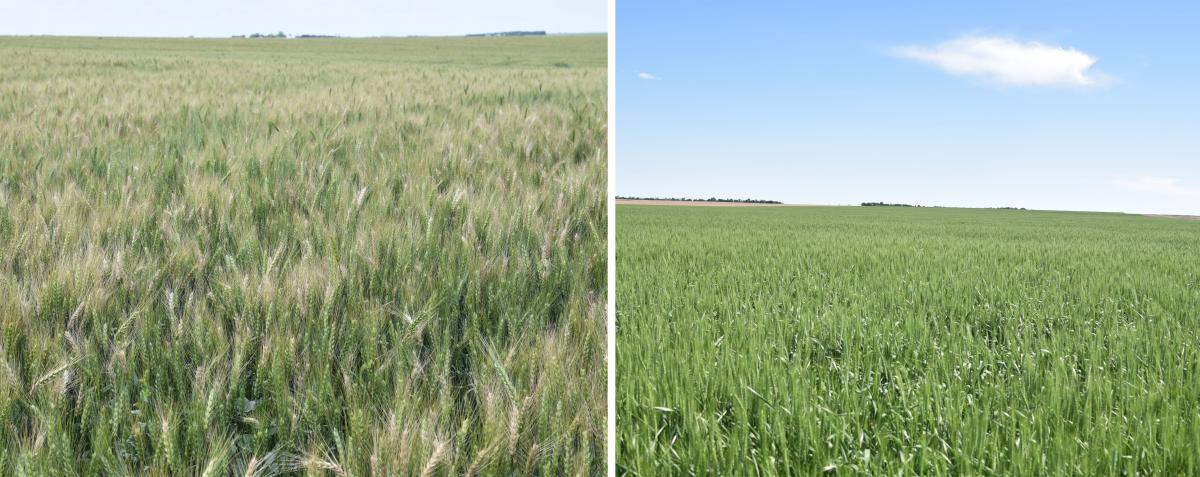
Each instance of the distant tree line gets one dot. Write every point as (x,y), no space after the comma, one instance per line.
(263,35)
(511,33)
(282,35)
(710,199)
(885,204)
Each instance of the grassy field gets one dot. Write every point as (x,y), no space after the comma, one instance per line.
(889,341)
(327,257)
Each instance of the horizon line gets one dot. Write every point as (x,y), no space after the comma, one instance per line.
(292,36)
(686,201)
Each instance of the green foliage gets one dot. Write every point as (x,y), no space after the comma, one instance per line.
(332,257)
(906,341)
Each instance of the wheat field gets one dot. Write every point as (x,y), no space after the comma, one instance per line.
(316,257)
(906,341)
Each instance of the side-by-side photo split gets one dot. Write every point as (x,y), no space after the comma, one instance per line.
(608,238)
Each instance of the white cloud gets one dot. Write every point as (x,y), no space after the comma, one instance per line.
(647,76)
(1009,62)
(1168,186)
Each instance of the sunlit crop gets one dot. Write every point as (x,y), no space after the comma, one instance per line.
(350,257)
(898,341)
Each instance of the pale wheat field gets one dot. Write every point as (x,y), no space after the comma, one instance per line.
(326,257)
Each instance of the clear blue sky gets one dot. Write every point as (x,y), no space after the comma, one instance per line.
(347,18)
(1052,104)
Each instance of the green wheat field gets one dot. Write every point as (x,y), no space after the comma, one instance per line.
(316,257)
(906,341)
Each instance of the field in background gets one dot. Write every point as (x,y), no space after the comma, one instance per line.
(696,203)
(351,257)
(898,341)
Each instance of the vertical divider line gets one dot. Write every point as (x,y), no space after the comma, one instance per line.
(611,322)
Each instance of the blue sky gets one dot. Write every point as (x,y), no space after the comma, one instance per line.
(1053,105)
(347,18)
